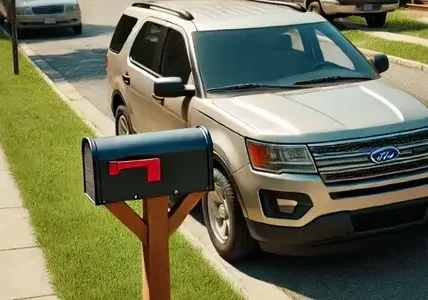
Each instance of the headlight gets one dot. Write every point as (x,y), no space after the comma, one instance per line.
(23,11)
(277,158)
(72,7)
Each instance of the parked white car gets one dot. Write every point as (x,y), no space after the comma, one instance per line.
(39,14)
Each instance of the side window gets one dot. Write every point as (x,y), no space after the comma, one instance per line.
(144,51)
(175,61)
(332,53)
(121,33)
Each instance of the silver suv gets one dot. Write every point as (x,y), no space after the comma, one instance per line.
(311,147)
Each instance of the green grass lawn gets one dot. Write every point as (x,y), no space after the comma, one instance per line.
(399,49)
(89,253)
(400,21)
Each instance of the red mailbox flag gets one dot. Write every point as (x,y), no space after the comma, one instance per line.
(152,165)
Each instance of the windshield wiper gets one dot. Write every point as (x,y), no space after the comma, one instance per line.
(333,79)
(245,86)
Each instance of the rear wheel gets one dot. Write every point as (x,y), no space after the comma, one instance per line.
(376,20)
(78,29)
(123,121)
(225,222)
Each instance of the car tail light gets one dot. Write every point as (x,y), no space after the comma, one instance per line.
(106,61)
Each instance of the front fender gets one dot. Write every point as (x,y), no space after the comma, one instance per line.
(230,151)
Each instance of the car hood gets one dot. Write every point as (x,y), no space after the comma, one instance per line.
(352,107)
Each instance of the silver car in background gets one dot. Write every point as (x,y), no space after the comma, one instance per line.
(39,14)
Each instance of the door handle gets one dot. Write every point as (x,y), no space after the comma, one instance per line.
(126,79)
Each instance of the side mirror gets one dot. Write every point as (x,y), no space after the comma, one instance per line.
(172,87)
(380,62)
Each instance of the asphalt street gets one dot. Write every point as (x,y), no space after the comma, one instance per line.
(391,271)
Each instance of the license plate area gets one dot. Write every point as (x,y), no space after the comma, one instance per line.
(49,21)
(369,7)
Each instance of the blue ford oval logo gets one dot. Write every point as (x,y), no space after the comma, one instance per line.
(384,154)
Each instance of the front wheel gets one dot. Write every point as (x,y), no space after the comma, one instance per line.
(78,29)
(376,20)
(225,222)
(123,124)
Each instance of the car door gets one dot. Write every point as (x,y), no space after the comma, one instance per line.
(175,63)
(142,68)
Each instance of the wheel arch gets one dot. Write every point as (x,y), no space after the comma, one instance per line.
(116,100)
(220,164)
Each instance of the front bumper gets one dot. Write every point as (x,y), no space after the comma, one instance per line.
(334,7)
(48,21)
(327,212)
(317,199)
(341,230)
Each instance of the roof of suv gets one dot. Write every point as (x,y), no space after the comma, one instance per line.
(236,14)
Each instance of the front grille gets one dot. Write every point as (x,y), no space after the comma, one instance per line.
(349,161)
(48,10)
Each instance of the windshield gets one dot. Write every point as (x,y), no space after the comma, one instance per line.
(283,55)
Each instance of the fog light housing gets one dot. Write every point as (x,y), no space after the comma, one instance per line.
(284,205)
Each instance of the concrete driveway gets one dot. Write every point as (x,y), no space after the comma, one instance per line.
(393,271)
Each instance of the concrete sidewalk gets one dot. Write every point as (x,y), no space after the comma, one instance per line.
(384,34)
(23,274)
(398,37)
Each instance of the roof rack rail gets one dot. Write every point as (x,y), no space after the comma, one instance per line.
(156,5)
(295,6)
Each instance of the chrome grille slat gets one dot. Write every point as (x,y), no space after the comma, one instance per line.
(376,166)
(346,165)
(375,176)
(346,161)
(48,9)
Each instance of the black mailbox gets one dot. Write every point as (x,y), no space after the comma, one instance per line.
(147,165)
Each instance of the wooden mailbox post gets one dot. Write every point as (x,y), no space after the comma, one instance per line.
(150,166)
(12,21)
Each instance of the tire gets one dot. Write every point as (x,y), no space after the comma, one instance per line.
(122,119)
(78,29)
(238,244)
(315,7)
(2,20)
(376,20)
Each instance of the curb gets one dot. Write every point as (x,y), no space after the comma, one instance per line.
(411,64)
(101,125)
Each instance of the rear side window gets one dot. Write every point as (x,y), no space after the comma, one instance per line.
(123,29)
(146,50)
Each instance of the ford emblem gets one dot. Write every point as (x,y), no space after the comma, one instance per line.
(385,154)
